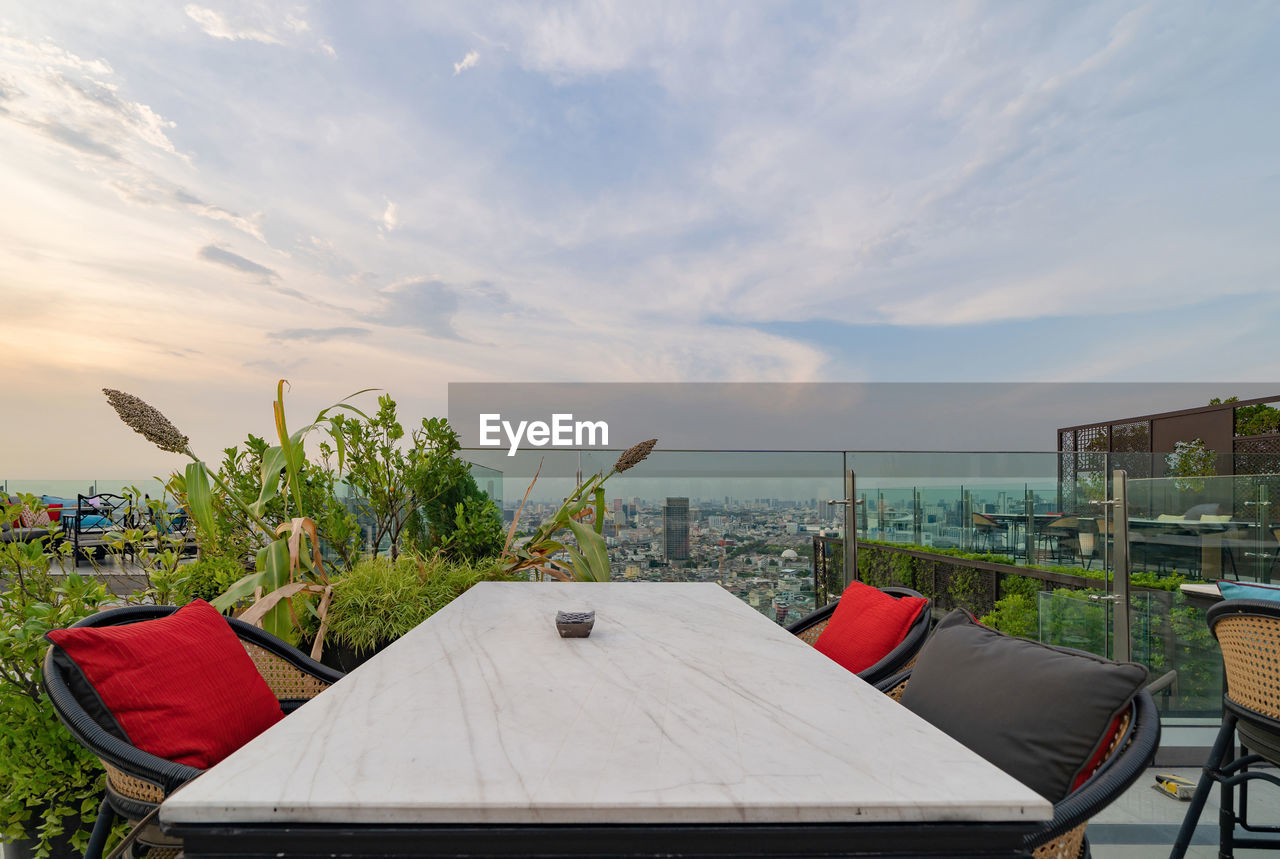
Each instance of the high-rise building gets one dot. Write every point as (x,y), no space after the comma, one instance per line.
(675,529)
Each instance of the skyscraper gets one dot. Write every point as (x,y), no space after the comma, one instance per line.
(675,529)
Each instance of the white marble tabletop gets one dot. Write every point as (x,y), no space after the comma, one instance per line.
(683,706)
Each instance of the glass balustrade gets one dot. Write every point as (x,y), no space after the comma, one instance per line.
(770,526)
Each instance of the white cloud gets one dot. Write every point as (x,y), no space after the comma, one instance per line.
(215,25)
(672,180)
(266,24)
(467,62)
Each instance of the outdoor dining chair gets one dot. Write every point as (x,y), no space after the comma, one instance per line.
(811,626)
(1124,749)
(1249,633)
(987,529)
(138,781)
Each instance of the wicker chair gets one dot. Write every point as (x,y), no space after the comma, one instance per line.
(1249,634)
(1131,751)
(137,782)
(809,627)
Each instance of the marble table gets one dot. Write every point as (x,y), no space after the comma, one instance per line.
(687,723)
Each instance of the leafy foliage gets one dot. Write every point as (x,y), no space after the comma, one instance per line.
(1014,614)
(1190,460)
(410,494)
(1258,419)
(205,579)
(1155,581)
(236,532)
(49,783)
(379,599)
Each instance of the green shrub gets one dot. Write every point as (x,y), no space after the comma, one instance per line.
(379,600)
(50,784)
(1021,585)
(1015,614)
(206,579)
(1154,581)
(963,589)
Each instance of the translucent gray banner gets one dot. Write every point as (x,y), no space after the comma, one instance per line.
(984,416)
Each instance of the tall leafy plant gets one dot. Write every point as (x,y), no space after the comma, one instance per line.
(582,514)
(288,559)
(413,488)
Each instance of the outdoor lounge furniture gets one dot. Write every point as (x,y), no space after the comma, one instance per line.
(809,627)
(91,523)
(1131,751)
(686,724)
(985,530)
(17,532)
(137,781)
(1249,633)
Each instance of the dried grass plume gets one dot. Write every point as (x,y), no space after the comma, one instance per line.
(635,455)
(147,421)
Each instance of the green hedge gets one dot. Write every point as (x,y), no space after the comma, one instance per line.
(1170,635)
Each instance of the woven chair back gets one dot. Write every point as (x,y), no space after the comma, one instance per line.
(1250,641)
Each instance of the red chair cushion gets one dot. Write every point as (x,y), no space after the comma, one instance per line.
(866,625)
(1099,756)
(181,687)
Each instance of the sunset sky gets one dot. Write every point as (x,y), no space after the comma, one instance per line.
(197,200)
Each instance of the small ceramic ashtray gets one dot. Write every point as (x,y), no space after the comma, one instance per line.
(575,624)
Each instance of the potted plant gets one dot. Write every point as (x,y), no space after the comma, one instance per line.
(50,785)
(379,600)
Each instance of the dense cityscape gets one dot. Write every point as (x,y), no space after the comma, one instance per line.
(761,549)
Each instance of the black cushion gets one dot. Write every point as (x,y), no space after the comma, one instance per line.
(87,696)
(1037,712)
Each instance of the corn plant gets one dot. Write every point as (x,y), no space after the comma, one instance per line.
(288,561)
(582,513)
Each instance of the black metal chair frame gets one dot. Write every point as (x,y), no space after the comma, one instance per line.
(132,761)
(1135,751)
(1227,768)
(986,527)
(895,660)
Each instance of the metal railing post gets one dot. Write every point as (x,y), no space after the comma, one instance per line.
(1120,527)
(1117,508)
(850,528)
(917,517)
(849,569)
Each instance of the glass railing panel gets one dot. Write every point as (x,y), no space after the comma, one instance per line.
(747,520)
(1077,620)
(1170,636)
(1204,528)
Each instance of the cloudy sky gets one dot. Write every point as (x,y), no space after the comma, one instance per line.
(200,199)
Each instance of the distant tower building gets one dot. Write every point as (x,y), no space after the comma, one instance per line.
(675,529)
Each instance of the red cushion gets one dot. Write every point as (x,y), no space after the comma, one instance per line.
(866,625)
(182,687)
(55,512)
(1099,756)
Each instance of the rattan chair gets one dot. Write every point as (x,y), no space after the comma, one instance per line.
(137,782)
(1131,751)
(1249,634)
(809,627)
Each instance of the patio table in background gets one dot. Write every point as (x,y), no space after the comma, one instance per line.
(687,723)
(1206,538)
(1018,521)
